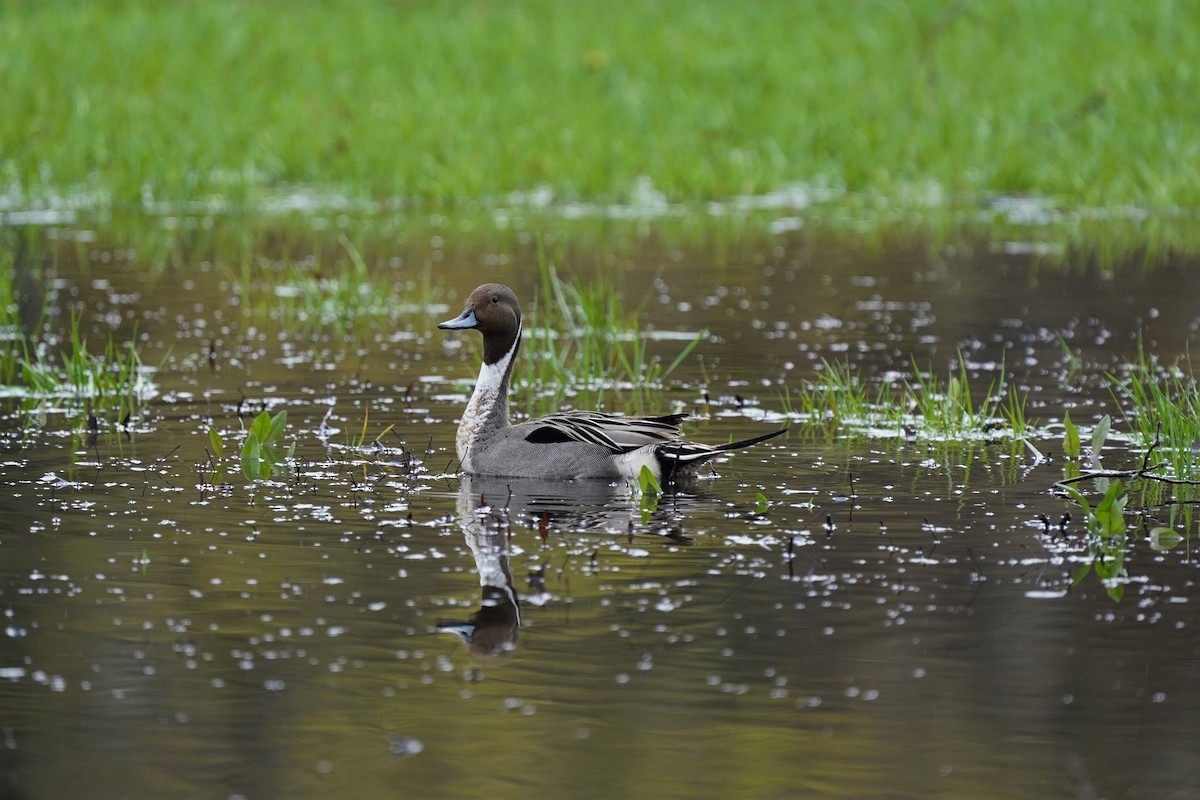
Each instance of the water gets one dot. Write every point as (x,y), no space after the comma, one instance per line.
(898,623)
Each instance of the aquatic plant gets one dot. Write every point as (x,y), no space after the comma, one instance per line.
(116,378)
(837,397)
(1162,408)
(649,493)
(583,337)
(216,458)
(921,407)
(1107,538)
(261,455)
(1149,476)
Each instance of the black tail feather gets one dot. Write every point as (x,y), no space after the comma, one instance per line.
(685,457)
(721,448)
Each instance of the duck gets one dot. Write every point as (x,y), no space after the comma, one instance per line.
(566,445)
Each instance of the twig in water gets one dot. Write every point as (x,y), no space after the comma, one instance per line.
(978,566)
(153,464)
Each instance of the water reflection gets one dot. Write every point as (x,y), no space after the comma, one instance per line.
(487,511)
(937,629)
(577,507)
(492,631)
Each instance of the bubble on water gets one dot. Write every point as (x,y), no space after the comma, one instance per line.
(405,746)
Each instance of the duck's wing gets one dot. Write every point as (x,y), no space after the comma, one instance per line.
(616,433)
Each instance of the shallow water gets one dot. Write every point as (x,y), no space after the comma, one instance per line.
(899,623)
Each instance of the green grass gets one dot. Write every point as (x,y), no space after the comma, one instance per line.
(583,337)
(837,398)
(916,105)
(924,408)
(113,380)
(1162,404)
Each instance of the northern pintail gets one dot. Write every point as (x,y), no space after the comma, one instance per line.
(569,444)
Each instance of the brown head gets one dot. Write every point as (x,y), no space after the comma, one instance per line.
(493,310)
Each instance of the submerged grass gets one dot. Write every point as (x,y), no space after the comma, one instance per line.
(1162,406)
(342,296)
(583,338)
(11,337)
(113,380)
(919,105)
(42,370)
(922,408)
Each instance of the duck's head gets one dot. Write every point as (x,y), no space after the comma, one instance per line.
(493,310)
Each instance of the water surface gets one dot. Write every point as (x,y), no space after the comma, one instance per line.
(898,623)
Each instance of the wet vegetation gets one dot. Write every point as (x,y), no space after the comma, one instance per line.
(920,407)
(287,499)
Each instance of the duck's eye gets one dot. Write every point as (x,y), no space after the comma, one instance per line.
(495,298)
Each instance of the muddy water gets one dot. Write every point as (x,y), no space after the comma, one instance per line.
(898,623)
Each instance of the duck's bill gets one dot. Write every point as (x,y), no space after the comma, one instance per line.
(464,320)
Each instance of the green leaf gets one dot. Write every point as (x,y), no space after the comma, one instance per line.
(251,457)
(1110,569)
(278,422)
(260,426)
(651,491)
(1164,538)
(1074,494)
(1071,447)
(1099,434)
(1110,513)
(214,441)
(761,503)
(647,482)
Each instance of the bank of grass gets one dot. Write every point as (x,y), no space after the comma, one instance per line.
(922,104)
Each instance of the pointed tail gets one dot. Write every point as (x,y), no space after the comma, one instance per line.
(721,448)
(696,454)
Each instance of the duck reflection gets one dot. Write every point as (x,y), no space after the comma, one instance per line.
(489,508)
(569,507)
(492,630)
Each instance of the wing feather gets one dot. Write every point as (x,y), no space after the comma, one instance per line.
(616,433)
